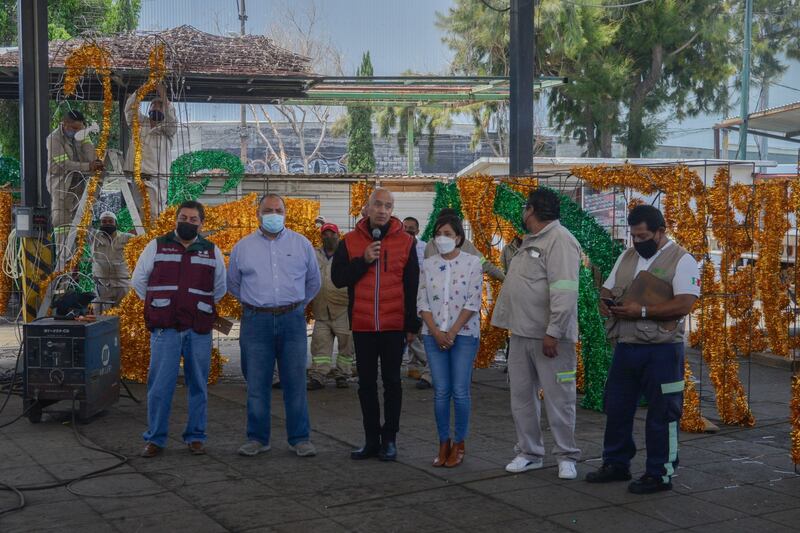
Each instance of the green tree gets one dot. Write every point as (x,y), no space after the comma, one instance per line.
(628,67)
(66,19)
(360,152)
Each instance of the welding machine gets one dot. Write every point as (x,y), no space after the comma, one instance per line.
(69,359)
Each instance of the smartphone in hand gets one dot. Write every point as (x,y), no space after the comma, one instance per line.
(609,302)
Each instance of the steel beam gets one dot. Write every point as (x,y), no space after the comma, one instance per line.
(520,148)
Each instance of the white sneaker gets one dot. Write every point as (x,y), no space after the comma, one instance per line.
(520,464)
(566,470)
(304,449)
(253,447)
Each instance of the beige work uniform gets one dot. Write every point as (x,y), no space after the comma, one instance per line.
(110,270)
(540,298)
(330,322)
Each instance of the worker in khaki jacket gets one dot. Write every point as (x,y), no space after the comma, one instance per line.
(71,161)
(330,321)
(112,277)
(539,305)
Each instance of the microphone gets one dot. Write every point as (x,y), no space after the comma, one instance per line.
(376,234)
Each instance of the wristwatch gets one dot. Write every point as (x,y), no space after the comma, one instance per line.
(644,312)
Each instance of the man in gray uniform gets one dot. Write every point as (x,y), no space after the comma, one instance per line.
(539,305)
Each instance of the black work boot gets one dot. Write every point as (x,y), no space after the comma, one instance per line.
(608,473)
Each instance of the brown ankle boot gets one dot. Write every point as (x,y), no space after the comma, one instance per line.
(444,452)
(456,455)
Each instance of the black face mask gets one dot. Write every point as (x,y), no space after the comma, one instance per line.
(187,231)
(109,229)
(330,243)
(156,116)
(646,249)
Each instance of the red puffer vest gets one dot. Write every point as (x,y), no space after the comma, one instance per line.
(378,296)
(180,290)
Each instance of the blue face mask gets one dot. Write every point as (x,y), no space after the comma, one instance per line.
(70,134)
(272,222)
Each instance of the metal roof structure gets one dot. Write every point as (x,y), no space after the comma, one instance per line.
(425,91)
(781,123)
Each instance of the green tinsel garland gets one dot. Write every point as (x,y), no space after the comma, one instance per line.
(447,195)
(181,189)
(602,252)
(9,173)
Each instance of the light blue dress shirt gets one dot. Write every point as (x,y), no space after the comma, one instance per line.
(273,273)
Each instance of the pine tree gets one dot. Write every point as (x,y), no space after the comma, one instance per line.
(360,152)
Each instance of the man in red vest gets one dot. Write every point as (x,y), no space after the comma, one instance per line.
(180,276)
(377,262)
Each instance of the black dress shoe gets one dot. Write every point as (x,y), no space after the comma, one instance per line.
(608,473)
(366,452)
(388,451)
(648,484)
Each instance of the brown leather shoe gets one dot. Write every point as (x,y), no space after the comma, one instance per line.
(444,451)
(150,450)
(196,448)
(456,455)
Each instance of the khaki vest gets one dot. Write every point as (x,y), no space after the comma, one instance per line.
(646,331)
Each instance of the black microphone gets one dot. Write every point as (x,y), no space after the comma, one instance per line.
(376,234)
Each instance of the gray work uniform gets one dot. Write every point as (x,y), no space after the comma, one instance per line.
(540,298)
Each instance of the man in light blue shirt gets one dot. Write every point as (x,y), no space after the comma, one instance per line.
(273,272)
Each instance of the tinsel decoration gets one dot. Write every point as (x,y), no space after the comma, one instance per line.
(477,195)
(157,71)
(225,225)
(580,379)
(691,420)
(83,58)
(9,175)
(181,189)
(447,195)
(794,406)
(6,204)
(359,195)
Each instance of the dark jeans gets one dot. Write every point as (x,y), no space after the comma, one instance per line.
(387,347)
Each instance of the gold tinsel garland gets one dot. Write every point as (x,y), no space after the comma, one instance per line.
(688,204)
(359,195)
(227,224)
(86,57)
(156,74)
(477,203)
(6,203)
(794,407)
(580,373)
(691,420)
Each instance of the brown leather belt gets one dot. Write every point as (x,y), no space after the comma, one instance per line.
(282,310)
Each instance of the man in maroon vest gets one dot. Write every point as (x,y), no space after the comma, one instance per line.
(377,262)
(180,276)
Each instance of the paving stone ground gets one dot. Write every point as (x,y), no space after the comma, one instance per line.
(736,480)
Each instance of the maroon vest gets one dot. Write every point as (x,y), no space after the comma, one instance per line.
(180,290)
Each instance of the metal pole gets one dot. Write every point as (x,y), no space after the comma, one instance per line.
(520,148)
(748,37)
(243,124)
(410,140)
(33,97)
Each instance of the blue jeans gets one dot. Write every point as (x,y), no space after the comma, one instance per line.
(265,338)
(166,347)
(451,371)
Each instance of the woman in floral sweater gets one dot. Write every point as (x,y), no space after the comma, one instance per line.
(449,301)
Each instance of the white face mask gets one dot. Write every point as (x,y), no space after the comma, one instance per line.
(445,245)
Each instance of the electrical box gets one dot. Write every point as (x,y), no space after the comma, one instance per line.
(66,359)
(31,221)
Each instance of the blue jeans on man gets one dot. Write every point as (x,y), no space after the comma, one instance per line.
(265,338)
(166,348)
(451,371)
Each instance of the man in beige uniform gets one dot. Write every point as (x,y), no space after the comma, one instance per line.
(70,164)
(157,130)
(112,278)
(539,305)
(330,321)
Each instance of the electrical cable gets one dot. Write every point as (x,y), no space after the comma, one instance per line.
(607,6)
(13,380)
(487,4)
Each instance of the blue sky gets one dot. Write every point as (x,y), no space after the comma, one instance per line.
(400,35)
